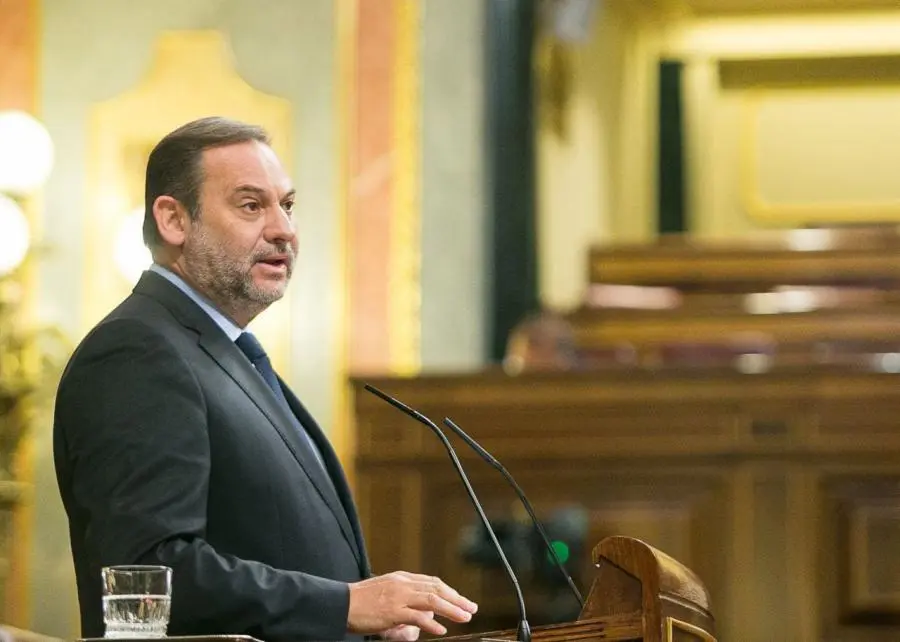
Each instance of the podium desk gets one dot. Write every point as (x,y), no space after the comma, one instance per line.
(639,594)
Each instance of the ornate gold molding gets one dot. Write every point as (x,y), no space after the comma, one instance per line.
(862,594)
(342,434)
(404,305)
(673,625)
(767,211)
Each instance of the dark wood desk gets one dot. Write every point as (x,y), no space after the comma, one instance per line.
(781,490)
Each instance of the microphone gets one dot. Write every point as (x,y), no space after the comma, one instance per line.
(523,633)
(489,458)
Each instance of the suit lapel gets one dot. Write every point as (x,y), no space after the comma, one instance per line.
(228,356)
(230,359)
(348,512)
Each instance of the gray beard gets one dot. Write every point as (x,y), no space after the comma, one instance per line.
(227,282)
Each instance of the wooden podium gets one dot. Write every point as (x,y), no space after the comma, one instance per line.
(638,594)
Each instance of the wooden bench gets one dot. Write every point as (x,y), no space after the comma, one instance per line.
(798,298)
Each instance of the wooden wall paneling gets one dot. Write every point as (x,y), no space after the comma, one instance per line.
(774,488)
(390,511)
(737,549)
(802,528)
(861,580)
(676,510)
(385,433)
(857,414)
(771,587)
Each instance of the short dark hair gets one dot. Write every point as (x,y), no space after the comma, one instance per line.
(174,167)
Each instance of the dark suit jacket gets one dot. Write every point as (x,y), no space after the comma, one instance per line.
(170,449)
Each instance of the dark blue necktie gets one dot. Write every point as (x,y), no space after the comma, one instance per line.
(254,351)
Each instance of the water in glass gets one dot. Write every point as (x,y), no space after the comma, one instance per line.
(136,601)
(132,616)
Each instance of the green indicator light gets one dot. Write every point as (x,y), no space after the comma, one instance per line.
(562,551)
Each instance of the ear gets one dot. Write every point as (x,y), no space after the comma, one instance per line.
(172,220)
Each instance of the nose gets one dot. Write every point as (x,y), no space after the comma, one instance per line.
(279,227)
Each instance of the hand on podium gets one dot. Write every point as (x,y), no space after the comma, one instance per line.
(398,604)
(401,633)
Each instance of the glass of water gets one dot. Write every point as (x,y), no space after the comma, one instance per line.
(136,601)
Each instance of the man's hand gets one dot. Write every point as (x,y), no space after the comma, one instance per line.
(401,633)
(383,603)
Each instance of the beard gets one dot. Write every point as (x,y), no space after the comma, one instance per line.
(228,280)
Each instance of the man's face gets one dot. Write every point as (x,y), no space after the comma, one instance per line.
(241,250)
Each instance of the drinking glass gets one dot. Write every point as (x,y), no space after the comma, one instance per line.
(136,601)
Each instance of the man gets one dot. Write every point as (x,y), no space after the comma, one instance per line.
(175,443)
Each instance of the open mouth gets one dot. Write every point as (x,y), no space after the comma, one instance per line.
(276,264)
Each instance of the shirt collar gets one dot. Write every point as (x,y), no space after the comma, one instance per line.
(229,327)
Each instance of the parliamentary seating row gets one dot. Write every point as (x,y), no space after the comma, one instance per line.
(803,298)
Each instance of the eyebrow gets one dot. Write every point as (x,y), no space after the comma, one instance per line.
(253,189)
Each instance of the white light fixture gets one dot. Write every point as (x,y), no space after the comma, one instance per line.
(131,255)
(26,153)
(14,235)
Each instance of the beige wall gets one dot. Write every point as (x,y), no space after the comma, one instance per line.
(790,120)
(576,144)
(453,209)
(596,178)
(793,120)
